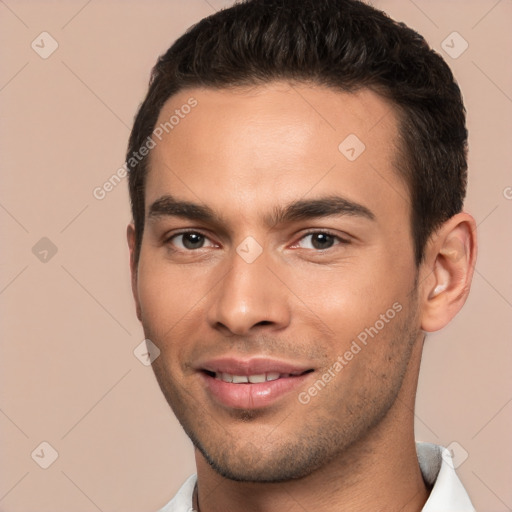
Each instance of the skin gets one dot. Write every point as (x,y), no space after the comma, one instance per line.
(244,152)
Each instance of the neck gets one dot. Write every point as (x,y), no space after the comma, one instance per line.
(379,472)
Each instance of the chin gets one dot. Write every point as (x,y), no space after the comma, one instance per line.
(243,461)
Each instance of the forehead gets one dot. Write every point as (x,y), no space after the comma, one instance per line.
(277,141)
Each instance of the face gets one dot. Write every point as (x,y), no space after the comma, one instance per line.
(276,273)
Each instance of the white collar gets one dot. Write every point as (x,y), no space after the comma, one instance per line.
(447,495)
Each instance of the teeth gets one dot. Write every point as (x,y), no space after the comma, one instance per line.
(253,379)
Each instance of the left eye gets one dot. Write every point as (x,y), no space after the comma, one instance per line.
(319,241)
(190,240)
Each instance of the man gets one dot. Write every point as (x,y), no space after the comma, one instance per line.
(297,176)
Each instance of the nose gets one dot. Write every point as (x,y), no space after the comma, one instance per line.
(249,297)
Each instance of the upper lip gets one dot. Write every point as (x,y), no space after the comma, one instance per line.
(251,366)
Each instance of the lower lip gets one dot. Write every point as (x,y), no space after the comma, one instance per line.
(251,396)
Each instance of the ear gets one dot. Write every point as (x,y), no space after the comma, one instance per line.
(130,234)
(447,271)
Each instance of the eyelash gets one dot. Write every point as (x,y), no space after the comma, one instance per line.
(342,241)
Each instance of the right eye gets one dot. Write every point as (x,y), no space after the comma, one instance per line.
(189,241)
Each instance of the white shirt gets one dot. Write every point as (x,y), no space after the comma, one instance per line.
(447,495)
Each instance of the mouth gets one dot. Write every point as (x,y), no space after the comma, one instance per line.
(254,379)
(251,384)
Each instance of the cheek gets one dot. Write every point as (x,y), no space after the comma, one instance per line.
(351,297)
(163,295)
(164,307)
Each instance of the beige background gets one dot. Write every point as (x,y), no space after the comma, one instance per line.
(68,372)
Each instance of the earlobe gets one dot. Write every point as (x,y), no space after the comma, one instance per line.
(132,243)
(448,266)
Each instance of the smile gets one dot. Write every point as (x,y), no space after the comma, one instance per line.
(252,379)
(255,383)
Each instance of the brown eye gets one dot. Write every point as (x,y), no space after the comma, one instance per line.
(319,241)
(190,240)
(322,240)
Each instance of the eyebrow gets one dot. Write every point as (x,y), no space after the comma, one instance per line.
(303,209)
